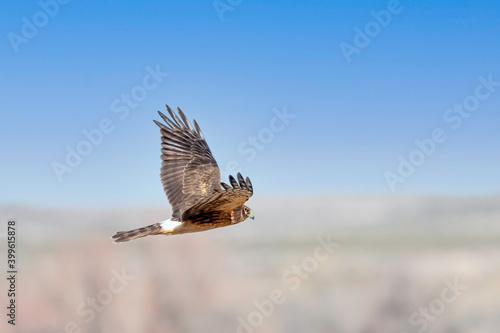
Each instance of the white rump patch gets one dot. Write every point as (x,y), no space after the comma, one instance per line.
(169,225)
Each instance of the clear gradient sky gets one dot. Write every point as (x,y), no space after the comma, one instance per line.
(230,67)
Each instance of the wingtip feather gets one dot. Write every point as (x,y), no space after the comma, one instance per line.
(233,182)
(249,184)
(184,118)
(198,129)
(174,117)
(241,181)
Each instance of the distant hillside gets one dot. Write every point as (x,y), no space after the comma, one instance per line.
(289,218)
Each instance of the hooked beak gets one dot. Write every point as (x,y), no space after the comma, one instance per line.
(251,216)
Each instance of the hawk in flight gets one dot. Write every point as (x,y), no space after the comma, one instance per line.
(191,180)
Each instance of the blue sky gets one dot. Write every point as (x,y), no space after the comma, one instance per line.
(233,71)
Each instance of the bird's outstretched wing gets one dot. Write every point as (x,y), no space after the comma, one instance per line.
(219,205)
(189,172)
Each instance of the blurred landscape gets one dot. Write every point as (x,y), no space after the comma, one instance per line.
(370,130)
(395,256)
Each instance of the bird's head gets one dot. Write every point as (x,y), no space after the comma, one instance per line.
(248,212)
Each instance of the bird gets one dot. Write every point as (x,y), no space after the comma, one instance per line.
(191,180)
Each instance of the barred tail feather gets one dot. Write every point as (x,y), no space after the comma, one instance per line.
(125,236)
